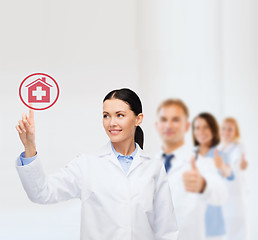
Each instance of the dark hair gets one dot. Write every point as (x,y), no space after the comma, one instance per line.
(213,125)
(134,102)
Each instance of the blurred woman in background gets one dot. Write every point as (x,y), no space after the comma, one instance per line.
(235,211)
(206,138)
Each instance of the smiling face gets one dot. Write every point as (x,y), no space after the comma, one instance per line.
(202,132)
(172,124)
(119,120)
(228,132)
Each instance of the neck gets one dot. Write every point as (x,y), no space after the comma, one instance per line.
(126,147)
(169,147)
(226,143)
(204,149)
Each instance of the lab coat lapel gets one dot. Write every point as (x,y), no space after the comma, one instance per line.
(113,159)
(136,162)
(139,158)
(108,153)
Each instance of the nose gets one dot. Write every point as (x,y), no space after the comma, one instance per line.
(113,122)
(168,124)
(202,131)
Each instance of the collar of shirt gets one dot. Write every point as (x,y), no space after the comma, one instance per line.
(182,155)
(178,152)
(211,152)
(121,156)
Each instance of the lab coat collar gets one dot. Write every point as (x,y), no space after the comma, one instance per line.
(179,152)
(182,157)
(138,159)
(228,148)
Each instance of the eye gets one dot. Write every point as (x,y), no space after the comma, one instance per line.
(120,115)
(162,119)
(176,119)
(105,116)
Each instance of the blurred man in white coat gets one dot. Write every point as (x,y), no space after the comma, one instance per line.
(194,183)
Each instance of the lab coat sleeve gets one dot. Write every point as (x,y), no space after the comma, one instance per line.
(235,157)
(215,192)
(165,225)
(63,185)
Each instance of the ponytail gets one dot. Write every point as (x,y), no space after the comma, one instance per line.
(139,136)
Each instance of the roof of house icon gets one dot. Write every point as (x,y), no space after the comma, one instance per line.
(43,81)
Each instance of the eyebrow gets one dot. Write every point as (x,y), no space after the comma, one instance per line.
(116,112)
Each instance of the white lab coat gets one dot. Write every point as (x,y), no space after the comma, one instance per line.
(115,205)
(235,209)
(190,207)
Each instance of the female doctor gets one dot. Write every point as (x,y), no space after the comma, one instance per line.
(206,138)
(124,193)
(235,210)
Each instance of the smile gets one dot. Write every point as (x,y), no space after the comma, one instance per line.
(115,131)
(169,133)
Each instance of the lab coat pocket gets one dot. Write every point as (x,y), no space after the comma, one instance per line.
(146,196)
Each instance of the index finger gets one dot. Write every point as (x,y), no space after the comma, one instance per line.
(31,113)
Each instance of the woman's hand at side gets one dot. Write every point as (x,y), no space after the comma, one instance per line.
(26,130)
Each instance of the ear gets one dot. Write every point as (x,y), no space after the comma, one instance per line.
(139,119)
(188,125)
(156,124)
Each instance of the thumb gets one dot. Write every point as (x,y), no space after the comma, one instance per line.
(193,164)
(216,152)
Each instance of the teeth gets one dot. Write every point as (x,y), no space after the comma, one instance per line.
(115,131)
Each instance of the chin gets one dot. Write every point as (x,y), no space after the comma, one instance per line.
(206,143)
(170,140)
(115,140)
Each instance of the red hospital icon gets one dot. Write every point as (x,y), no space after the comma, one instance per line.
(39,91)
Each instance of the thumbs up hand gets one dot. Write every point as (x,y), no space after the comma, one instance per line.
(243,163)
(218,160)
(193,180)
(225,169)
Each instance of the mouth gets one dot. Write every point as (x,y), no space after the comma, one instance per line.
(168,133)
(202,138)
(114,131)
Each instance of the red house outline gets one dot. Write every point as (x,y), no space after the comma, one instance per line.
(41,88)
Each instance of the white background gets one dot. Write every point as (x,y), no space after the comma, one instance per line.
(204,52)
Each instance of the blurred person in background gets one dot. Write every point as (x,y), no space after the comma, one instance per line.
(206,138)
(235,210)
(193,184)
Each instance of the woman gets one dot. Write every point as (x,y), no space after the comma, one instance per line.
(124,193)
(235,211)
(206,138)
(230,135)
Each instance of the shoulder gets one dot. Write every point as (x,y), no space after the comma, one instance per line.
(153,161)
(83,157)
(212,150)
(239,146)
(100,152)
